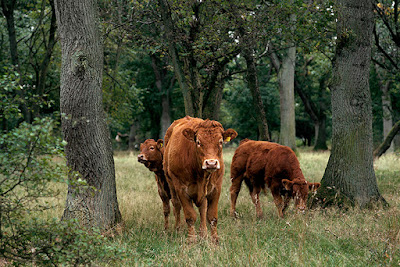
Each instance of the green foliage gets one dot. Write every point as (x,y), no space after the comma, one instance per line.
(237,110)
(31,160)
(9,96)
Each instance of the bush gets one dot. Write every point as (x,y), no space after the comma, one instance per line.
(27,168)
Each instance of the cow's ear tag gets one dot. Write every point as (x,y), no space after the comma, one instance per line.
(228,139)
(161,144)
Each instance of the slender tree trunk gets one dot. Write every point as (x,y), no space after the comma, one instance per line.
(173,53)
(44,66)
(252,83)
(382,148)
(286,91)
(164,89)
(88,150)
(350,167)
(320,133)
(387,112)
(165,115)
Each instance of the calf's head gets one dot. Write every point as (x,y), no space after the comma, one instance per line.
(151,154)
(299,190)
(208,137)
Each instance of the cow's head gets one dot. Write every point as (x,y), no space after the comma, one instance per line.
(299,190)
(208,137)
(151,154)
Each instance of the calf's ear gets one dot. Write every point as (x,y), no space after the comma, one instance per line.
(313,186)
(160,143)
(229,134)
(287,184)
(189,134)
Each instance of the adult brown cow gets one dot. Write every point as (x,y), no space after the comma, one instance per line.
(261,163)
(151,155)
(194,167)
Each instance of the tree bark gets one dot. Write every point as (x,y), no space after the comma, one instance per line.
(350,169)
(88,150)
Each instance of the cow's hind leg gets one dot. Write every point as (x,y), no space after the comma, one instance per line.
(176,203)
(235,189)
(255,197)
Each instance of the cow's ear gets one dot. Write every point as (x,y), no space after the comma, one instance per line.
(287,184)
(229,134)
(189,134)
(160,144)
(313,186)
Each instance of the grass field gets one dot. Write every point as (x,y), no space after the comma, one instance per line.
(330,237)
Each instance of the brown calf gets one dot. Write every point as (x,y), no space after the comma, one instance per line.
(262,163)
(151,155)
(194,165)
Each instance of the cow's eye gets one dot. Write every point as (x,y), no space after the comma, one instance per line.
(220,142)
(198,143)
(152,148)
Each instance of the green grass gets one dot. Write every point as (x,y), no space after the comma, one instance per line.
(330,237)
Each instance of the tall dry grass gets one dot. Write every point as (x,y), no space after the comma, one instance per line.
(330,237)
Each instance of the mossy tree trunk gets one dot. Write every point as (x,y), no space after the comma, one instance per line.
(350,167)
(89,151)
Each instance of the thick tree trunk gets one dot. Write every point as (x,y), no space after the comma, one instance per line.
(350,169)
(213,103)
(88,150)
(252,83)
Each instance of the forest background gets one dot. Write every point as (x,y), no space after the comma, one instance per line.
(141,94)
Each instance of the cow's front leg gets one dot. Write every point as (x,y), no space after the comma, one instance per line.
(190,214)
(212,213)
(275,190)
(286,201)
(203,223)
